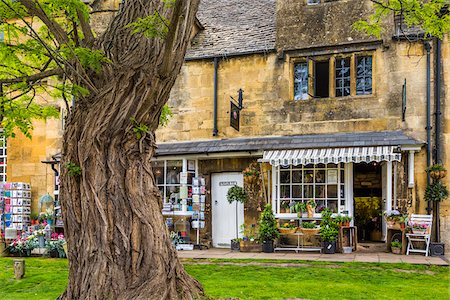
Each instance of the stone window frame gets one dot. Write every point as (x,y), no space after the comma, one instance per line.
(339,200)
(332,80)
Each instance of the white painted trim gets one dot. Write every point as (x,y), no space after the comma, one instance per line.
(395,185)
(389,185)
(411,169)
(348,188)
(411,148)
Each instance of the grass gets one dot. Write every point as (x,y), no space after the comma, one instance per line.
(260,279)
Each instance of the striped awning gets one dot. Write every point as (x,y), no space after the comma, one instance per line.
(331,155)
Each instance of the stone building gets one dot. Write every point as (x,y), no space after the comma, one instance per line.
(328,114)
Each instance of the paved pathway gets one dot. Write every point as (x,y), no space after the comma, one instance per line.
(290,255)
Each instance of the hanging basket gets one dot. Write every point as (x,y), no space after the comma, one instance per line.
(250,180)
(438,174)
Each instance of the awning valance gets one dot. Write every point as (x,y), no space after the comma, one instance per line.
(331,155)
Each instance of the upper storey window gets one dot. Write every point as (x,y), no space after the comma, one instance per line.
(333,76)
(312,2)
(364,75)
(301,81)
(342,74)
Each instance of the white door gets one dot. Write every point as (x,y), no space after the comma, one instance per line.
(224,222)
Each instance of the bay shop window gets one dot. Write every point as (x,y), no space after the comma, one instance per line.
(323,175)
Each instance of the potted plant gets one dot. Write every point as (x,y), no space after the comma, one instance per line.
(396,247)
(328,232)
(236,194)
(393,218)
(300,209)
(343,220)
(310,206)
(55,247)
(34,218)
(249,242)
(418,228)
(22,246)
(309,228)
(268,229)
(287,228)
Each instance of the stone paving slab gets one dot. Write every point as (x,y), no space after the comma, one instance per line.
(381,257)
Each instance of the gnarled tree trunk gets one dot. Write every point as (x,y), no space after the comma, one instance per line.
(119,247)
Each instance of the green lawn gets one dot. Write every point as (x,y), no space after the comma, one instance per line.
(250,279)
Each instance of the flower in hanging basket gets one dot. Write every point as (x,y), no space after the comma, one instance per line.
(436,191)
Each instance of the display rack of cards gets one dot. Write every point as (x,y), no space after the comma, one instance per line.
(15,205)
(198,205)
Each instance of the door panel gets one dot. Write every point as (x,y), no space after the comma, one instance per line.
(225,226)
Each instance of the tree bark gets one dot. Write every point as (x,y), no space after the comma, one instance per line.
(118,244)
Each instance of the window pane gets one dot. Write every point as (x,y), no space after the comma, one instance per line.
(332,191)
(285,192)
(296,191)
(320,191)
(158,171)
(309,176)
(301,81)
(364,75)
(174,168)
(297,176)
(173,194)
(333,205)
(320,176)
(321,79)
(320,206)
(285,176)
(342,76)
(308,191)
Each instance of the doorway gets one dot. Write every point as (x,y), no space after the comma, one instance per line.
(226,218)
(368,195)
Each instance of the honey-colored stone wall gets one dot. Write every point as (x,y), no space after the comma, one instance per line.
(25,156)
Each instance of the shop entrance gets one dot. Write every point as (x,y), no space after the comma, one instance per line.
(226,217)
(368,195)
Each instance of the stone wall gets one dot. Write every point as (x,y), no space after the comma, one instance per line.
(25,156)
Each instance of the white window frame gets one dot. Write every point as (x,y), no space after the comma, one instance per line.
(3,155)
(343,203)
(184,161)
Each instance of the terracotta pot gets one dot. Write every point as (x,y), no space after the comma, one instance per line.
(396,250)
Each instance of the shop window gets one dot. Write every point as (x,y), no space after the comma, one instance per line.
(3,154)
(321,79)
(167,177)
(342,76)
(323,183)
(301,81)
(364,75)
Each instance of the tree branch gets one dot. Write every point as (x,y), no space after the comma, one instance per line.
(85,28)
(35,9)
(34,77)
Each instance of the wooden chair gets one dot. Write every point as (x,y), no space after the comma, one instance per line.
(420,237)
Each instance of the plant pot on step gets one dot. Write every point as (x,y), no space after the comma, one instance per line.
(329,247)
(267,246)
(235,245)
(396,250)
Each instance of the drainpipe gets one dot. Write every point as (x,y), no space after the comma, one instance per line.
(216,66)
(438,102)
(438,156)
(428,128)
